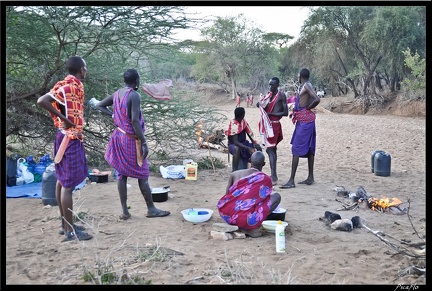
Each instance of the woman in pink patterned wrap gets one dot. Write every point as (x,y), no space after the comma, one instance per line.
(249,199)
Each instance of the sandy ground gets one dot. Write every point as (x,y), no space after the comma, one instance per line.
(170,250)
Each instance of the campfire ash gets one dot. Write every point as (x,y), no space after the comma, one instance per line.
(210,140)
(414,250)
(373,203)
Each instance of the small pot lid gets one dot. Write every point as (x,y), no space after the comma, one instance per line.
(160,190)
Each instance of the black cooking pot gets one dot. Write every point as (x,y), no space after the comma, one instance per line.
(277,215)
(160,194)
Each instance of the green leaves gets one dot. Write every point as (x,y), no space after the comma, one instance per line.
(416,80)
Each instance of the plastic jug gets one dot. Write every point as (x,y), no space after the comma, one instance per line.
(382,164)
(191,171)
(374,153)
(280,237)
(49,181)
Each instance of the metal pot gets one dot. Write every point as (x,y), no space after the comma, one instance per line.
(160,194)
(277,215)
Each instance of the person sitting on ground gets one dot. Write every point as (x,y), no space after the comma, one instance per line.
(249,199)
(240,148)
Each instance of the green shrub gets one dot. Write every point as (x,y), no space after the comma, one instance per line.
(207,163)
(416,81)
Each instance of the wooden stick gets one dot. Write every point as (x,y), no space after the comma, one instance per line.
(211,158)
(401,250)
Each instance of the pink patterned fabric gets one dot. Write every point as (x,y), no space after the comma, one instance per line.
(247,202)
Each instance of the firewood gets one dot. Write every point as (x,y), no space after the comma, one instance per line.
(399,249)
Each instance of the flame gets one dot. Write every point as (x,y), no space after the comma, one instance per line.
(199,131)
(383,203)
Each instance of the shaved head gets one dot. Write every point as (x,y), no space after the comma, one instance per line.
(258,160)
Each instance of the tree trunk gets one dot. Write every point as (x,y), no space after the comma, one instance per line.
(378,82)
(349,80)
(233,84)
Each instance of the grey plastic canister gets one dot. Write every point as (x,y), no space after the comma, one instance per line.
(49,181)
(382,164)
(373,158)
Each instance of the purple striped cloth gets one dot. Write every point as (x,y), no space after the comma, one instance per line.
(121,151)
(72,169)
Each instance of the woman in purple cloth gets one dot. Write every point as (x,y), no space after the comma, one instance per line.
(304,137)
(127,148)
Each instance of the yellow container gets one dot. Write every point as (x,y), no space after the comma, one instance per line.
(191,171)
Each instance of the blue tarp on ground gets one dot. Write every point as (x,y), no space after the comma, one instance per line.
(32,190)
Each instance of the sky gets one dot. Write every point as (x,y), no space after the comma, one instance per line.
(281,19)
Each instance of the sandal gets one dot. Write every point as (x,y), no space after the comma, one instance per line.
(77,235)
(287,186)
(75,227)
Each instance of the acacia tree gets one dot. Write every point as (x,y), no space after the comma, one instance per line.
(360,46)
(111,39)
(392,30)
(343,25)
(234,54)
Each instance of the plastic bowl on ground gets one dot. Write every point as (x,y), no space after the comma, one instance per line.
(197,215)
(270,225)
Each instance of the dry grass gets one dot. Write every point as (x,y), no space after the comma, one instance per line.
(127,264)
(248,269)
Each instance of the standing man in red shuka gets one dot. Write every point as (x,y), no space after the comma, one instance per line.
(65,103)
(273,107)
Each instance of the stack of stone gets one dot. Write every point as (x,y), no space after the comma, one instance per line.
(224,231)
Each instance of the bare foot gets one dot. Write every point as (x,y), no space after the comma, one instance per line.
(307,182)
(124,216)
(252,232)
(157,213)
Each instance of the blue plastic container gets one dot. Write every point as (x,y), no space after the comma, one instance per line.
(39,168)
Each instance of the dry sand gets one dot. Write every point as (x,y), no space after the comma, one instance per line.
(315,254)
